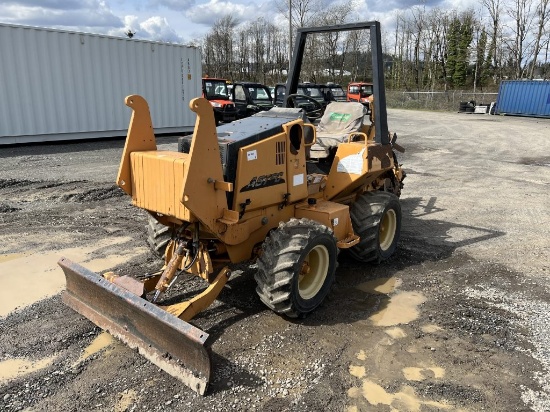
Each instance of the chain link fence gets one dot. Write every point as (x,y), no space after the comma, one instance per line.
(446,101)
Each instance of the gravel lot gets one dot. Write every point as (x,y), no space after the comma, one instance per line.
(457,320)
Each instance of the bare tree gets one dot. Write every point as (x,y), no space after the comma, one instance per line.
(333,47)
(522,16)
(243,54)
(218,47)
(278,54)
(300,13)
(439,25)
(258,37)
(493,8)
(397,51)
(404,67)
(303,13)
(543,18)
(418,21)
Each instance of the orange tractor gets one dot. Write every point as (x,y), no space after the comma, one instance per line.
(245,191)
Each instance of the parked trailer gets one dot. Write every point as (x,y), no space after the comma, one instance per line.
(62,85)
(524,98)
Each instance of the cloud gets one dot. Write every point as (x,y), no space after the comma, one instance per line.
(385,6)
(154,28)
(158,29)
(59,13)
(177,5)
(212,11)
(88,16)
(461,5)
(50,4)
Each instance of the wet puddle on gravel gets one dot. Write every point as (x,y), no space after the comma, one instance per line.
(399,307)
(102,341)
(381,285)
(402,308)
(32,277)
(403,400)
(395,309)
(13,368)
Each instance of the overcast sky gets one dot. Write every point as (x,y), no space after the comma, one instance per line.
(179,20)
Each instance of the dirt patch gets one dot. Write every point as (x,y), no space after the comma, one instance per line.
(94,195)
(534,161)
(8,209)
(13,183)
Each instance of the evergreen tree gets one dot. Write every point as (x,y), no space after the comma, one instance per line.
(453,40)
(481,77)
(463,53)
(488,67)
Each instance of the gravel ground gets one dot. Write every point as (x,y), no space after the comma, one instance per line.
(456,320)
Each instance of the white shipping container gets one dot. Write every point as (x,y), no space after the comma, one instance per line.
(60,85)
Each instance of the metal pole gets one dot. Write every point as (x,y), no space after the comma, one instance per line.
(289,33)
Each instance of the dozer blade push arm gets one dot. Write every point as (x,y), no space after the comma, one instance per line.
(175,346)
(140,137)
(202,190)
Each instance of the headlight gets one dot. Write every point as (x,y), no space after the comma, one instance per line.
(216,104)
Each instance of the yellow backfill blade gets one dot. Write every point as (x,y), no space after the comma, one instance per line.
(175,346)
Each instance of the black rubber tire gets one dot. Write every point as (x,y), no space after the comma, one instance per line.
(376,219)
(285,252)
(158,236)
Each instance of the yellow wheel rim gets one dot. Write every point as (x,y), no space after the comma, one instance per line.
(388,227)
(314,272)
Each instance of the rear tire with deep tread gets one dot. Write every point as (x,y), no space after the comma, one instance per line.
(376,219)
(158,236)
(296,268)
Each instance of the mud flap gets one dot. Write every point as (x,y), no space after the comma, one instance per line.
(175,346)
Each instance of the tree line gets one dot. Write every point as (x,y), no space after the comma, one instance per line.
(427,49)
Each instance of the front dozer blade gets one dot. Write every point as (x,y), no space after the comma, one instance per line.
(175,346)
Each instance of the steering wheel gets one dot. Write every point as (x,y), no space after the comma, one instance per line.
(297,100)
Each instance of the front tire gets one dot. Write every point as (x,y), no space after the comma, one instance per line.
(296,268)
(376,219)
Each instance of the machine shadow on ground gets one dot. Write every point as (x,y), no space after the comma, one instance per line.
(412,251)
